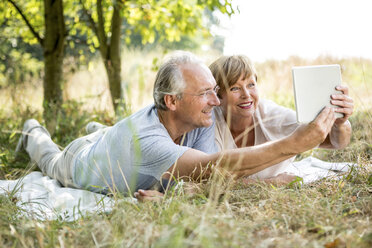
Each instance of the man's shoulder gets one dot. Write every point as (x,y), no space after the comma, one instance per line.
(142,122)
(142,115)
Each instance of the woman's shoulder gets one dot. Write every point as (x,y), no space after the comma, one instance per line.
(267,107)
(223,137)
(275,114)
(218,115)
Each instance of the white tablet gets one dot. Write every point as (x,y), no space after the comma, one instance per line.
(313,87)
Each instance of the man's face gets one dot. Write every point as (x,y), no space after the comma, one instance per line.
(198,98)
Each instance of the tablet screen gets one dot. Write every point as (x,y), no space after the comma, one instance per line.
(313,87)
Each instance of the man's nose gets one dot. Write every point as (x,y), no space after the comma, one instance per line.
(213,100)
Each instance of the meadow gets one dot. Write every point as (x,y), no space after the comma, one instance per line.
(222,213)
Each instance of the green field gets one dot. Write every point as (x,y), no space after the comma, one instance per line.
(328,213)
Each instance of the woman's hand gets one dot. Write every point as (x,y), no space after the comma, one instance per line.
(344,103)
(340,134)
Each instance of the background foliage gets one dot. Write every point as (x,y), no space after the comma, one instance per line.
(90,26)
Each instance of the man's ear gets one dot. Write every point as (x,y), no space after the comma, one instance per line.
(170,102)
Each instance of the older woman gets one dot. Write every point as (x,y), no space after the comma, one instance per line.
(243,119)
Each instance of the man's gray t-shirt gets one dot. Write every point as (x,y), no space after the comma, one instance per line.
(122,155)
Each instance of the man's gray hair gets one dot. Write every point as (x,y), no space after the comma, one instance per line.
(169,79)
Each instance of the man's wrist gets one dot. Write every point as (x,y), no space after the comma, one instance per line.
(340,126)
(340,135)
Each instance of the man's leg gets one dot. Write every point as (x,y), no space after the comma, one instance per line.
(42,150)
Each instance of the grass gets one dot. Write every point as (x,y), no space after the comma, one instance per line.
(328,213)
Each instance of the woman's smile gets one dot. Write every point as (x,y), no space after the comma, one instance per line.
(246,105)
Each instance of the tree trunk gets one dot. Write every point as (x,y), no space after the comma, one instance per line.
(109,48)
(54,43)
(113,70)
(113,58)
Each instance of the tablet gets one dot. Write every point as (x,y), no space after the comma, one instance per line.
(313,87)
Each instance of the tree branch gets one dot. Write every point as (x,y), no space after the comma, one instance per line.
(101,22)
(37,36)
(116,22)
(97,30)
(61,24)
(90,18)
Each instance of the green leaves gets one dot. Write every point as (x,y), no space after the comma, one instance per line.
(26,11)
(164,19)
(168,20)
(153,20)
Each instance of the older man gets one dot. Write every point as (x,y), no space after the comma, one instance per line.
(175,134)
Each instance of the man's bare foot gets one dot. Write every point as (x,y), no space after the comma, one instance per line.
(148,195)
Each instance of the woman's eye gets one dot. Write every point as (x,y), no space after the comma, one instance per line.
(234,89)
(251,85)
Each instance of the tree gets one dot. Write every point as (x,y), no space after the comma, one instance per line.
(50,33)
(153,20)
(161,19)
(108,40)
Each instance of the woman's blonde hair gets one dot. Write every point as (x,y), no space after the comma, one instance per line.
(228,69)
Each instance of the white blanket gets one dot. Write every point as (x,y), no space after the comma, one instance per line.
(312,169)
(43,198)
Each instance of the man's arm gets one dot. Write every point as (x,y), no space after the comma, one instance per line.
(249,160)
(340,134)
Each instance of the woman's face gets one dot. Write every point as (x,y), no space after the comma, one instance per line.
(242,98)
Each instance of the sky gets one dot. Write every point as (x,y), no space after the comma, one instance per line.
(277,29)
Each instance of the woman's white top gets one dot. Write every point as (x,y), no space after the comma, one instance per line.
(271,122)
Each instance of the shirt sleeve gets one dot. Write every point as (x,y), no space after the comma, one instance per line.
(205,140)
(154,155)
